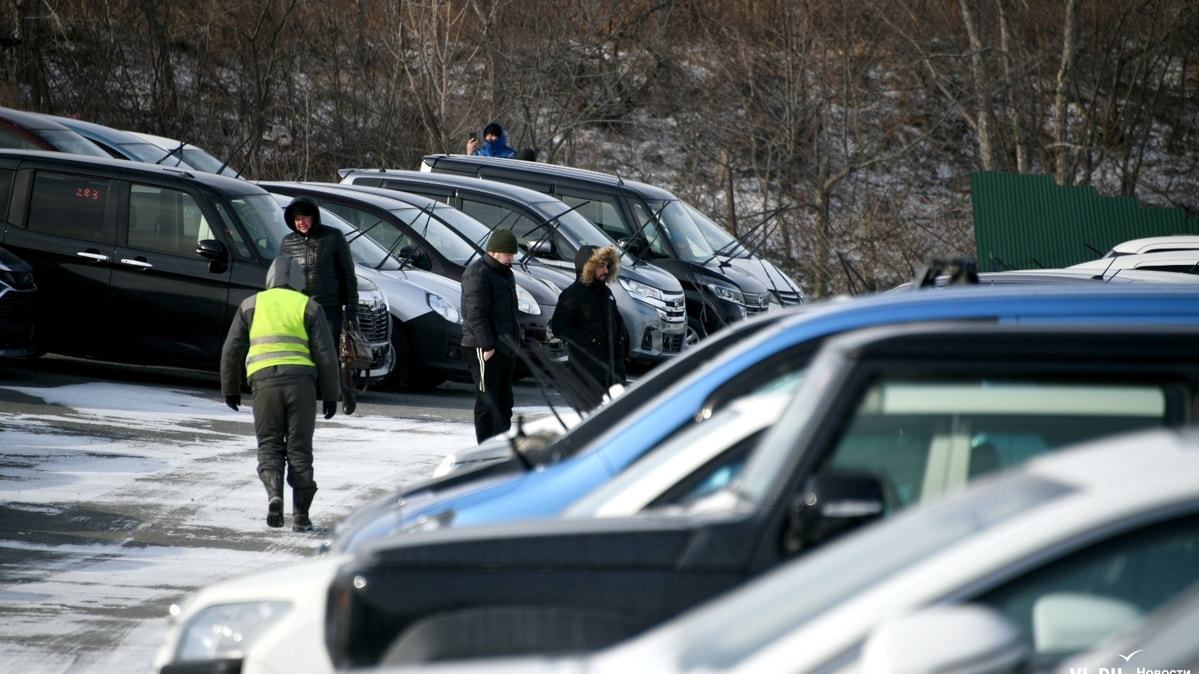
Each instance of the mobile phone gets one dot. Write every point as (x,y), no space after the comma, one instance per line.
(474,135)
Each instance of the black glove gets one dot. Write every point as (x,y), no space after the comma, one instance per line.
(233,402)
(330,408)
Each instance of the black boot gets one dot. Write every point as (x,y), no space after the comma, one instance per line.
(274,493)
(301,500)
(349,401)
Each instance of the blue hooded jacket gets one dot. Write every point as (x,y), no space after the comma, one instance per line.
(496,148)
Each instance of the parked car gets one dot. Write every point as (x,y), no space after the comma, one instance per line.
(1013,574)
(20,130)
(140,263)
(182,153)
(425,309)
(885,419)
(1179,261)
(651,301)
(963,272)
(1155,244)
(18,293)
(418,232)
(698,385)
(117,143)
(667,227)
(1164,640)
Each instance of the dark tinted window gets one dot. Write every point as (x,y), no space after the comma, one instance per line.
(165,220)
(5,192)
(68,205)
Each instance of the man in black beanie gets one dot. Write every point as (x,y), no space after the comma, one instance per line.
(491,332)
(495,143)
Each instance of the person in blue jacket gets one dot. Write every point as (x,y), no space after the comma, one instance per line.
(495,143)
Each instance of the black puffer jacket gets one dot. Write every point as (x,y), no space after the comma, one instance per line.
(489,308)
(325,256)
(589,322)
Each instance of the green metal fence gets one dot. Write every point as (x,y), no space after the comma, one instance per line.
(1028,222)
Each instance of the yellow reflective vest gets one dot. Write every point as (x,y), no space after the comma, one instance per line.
(277,333)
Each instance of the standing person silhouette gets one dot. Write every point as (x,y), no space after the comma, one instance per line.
(324,254)
(589,323)
(495,143)
(491,332)
(280,339)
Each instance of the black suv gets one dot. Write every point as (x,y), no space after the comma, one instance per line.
(883,419)
(145,264)
(17,295)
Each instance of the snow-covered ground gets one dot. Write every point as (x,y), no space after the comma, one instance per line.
(116,499)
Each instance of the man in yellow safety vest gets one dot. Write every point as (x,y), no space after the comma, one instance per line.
(281,341)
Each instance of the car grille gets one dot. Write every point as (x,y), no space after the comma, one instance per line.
(789,297)
(674,309)
(672,343)
(376,325)
(756,303)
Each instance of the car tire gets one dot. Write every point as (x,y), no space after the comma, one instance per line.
(695,332)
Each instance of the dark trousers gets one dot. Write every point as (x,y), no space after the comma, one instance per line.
(493,392)
(284,421)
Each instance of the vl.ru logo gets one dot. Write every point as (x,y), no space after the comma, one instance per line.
(1130,669)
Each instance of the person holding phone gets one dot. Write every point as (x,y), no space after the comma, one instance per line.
(495,143)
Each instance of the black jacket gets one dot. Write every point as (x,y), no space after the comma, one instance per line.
(589,322)
(325,256)
(489,309)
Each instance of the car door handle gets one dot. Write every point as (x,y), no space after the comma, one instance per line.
(139,262)
(93,255)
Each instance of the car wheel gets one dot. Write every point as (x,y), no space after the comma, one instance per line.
(401,371)
(695,332)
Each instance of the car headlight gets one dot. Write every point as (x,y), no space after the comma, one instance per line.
(227,631)
(370,295)
(444,308)
(725,292)
(525,302)
(640,290)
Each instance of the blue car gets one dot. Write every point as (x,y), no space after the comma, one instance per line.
(752,355)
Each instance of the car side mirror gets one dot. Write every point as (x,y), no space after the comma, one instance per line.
(416,257)
(215,252)
(830,505)
(636,246)
(541,248)
(946,639)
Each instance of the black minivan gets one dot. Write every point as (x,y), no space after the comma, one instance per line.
(144,264)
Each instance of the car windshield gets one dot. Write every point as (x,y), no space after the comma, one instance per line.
(263,220)
(365,250)
(69,141)
(662,220)
(719,238)
(572,228)
(925,438)
(825,577)
(438,233)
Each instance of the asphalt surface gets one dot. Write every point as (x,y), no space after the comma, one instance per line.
(112,510)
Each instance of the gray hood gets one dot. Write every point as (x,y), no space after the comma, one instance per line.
(285,272)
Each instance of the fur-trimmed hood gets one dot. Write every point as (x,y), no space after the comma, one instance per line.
(589,257)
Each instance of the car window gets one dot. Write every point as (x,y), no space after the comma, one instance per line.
(68,205)
(165,220)
(263,222)
(12,140)
(923,439)
(6,178)
(1124,578)
(604,212)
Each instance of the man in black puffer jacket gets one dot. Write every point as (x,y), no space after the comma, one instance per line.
(491,332)
(324,254)
(589,323)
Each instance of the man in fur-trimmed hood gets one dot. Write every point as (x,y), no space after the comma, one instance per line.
(589,322)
